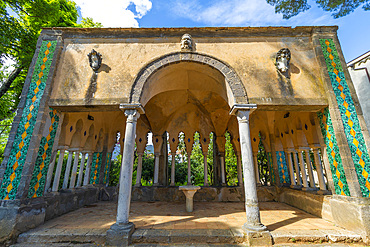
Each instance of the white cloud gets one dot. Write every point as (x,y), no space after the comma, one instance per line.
(245,13)
(114,13)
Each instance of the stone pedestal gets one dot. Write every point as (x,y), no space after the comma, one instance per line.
(254,238)
(189,191)
(120,234)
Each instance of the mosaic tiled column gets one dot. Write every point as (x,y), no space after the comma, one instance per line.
(350,120)
(95,168)
(41,167)
(274,162)
(58,171)
(283,168)
(88,167)
(68,170)
(334,157)
(290,167)
(107,168)
(81,171)
(271,168)
(27,122)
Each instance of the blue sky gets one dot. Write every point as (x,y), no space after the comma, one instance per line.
(354,29)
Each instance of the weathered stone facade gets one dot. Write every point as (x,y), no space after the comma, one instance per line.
(299,104)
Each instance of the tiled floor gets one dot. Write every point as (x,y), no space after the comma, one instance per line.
(99,217)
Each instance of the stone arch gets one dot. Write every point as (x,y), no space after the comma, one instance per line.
(236,92)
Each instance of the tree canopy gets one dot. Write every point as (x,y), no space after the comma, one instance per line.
(339,8)
(21,22)
(20,25)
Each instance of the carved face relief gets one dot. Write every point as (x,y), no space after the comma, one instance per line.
(282,60)
(95,60)
(186,43)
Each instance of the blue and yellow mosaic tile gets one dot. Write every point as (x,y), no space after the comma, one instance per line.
(40,171)
(271,167)
(106,169)
(95,167)
(14,167)
(349,116)
(282,166)
(336,166)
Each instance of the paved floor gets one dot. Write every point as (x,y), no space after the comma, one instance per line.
(206,215)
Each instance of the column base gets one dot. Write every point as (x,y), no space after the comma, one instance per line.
(223,184)
(259,184)
(137,185)
(296,186)
(120,234)
(308,189)
(254,228)
(205,185)
(255,238)
(172,184)
(324,192)
(156,184)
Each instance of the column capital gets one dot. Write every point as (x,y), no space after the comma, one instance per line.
(289,150)
(242,107)
(138,107)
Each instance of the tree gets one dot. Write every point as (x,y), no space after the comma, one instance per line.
(20,25)
(339,8)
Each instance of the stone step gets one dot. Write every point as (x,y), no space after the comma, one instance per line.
(194,236)
(315,236)
(181,237)
(50,236)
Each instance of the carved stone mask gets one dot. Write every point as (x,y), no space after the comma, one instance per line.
(95,60)
(282,60)
(186,43)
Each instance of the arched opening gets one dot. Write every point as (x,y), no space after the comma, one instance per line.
(190,97)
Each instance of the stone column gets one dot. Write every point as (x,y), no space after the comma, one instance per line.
(81,171)
(88,167)
(303,169)
(256,171)
(51,170)
(156,169)
(309,166)
(68,170)
(74,170)
(58,170)
(189,169)
(119,233)
(173,182)
(139,169)
(251,201)
(223,176)
(239,169)
(319,169)
(205,169)
(297,170)
(291,170)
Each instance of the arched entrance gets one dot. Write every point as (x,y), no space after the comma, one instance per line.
(188,92)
